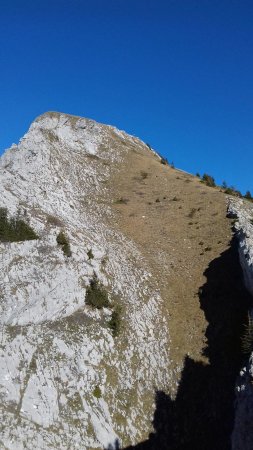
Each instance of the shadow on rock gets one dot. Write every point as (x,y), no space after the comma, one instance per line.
(202,415)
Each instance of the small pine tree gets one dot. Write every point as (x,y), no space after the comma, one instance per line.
(208,180)
(90,254)
(96,295)
(248,195)
(14,229)
(63,241)
(115,321)
(164,161)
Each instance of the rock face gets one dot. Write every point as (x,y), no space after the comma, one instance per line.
(242,437)
(242,212)
(65,380)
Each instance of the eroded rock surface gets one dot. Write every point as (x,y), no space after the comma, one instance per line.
(65,381)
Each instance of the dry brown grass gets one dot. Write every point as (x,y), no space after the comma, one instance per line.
(169,244)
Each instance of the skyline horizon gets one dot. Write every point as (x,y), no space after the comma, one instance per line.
(178,75)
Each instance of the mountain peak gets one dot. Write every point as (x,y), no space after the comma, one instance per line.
(58,180)
(104,250)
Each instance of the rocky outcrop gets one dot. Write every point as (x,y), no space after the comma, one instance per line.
(242,438)
(65,380)
(242,212)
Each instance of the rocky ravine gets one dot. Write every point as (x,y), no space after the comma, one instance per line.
(149,233)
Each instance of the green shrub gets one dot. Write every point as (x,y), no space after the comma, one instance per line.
(96,295)
(208,180)
(90,254)
(115,322)
(14,229)
(248,196)
(63,241)
(97,392)
(164,161)
(232,191)
(229,191)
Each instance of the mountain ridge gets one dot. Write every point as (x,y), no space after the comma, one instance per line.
(50,176)
(148,232)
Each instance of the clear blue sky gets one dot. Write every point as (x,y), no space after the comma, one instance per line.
(177,74)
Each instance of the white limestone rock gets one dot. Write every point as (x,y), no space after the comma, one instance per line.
(55,350)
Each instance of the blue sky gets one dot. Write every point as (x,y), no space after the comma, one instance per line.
(177,74)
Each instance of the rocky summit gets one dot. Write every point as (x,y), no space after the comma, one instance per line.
(123,297)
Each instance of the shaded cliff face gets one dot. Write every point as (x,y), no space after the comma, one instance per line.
(148,232)
(242,437)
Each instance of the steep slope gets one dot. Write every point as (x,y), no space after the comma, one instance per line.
(149,233)
(180,225)
(58,354)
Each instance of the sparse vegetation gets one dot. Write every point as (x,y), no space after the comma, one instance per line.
(144,175)
(14,229)
(115,321)
(164,161)
(192,213)
(52,220)
(208,180)
(90,254)
(121,201)
(97,392)
(248,196)
(96,295)
(232,191)
(63,241)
